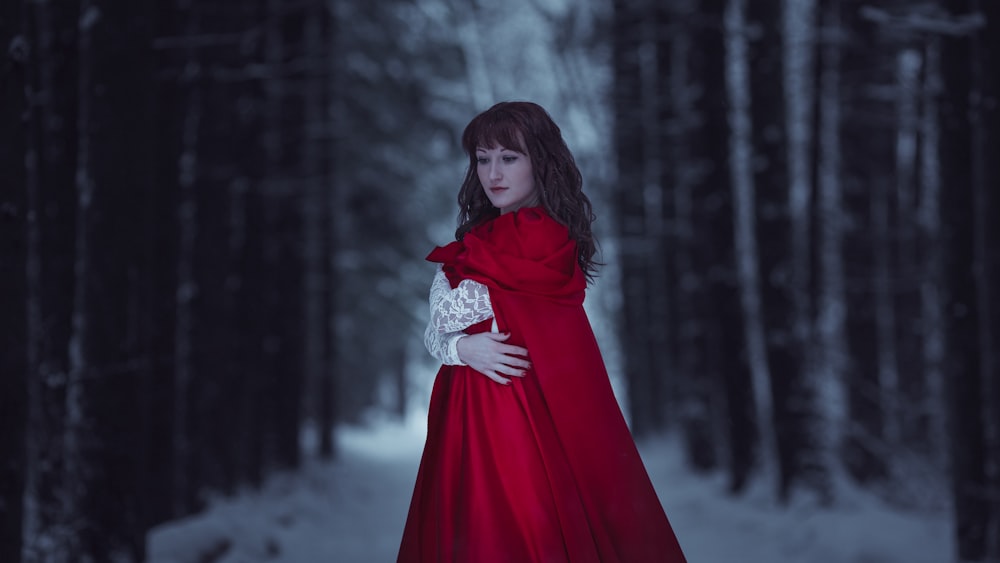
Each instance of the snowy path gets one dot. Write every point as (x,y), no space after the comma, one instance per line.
(352,511)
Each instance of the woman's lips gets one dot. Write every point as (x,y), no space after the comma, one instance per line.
(497,189)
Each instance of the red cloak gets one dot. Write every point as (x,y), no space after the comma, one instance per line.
(543,469)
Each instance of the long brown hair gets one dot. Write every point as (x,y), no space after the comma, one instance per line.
(527,128)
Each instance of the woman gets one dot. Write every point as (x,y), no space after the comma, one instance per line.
(528,458)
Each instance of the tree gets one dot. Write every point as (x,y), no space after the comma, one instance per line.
(104,440)
(50,167)
(868,134)
(968,144)
(13,283)
(829,341)
(634,158)
(778,210)
(986,49)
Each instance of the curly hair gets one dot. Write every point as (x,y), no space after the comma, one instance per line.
(527,128)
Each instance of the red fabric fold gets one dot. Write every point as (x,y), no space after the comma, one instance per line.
(545,469)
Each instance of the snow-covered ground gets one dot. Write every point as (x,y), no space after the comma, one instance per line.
(352,511)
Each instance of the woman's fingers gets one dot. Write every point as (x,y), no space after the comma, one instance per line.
(496,377)
(497,336)
(486,353)
(512,350)
(517,362)
(509,370)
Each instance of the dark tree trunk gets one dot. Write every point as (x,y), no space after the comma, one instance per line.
(677,121)
(224,403)
(163,239)
(13,278)
(868,136)
(934,406)
(828,277)
(658,204)
(631,160)
(724,347)
(987,56)
(984,116)
(775,238)
(283,191)
(180,121)
(908,264)
(315,156)
(963,309)
(334,196)
(49,177)
(105,437)
(717,409)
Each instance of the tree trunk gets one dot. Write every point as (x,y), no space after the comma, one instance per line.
(13,282)
(104,441)
(656,204)
(868,136)
(723,345)
(737,310)
(829,375)
(329,413)
(773,199)
(934,406)
(50,170)
(677,123)
(696,69)
(283,189)
(964,356)
(631,159)
(190,105)
(908,263)
(985,118)
(315,212)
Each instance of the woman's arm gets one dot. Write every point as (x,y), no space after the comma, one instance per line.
(457,309)
(443,346)
(451,312)
(454,310)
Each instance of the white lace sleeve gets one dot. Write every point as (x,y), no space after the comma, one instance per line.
(452,311)
(444,347)
(457,309)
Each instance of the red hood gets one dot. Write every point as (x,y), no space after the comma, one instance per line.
(525,251)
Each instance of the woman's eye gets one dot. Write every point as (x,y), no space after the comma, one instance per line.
(509,158)
(482,160)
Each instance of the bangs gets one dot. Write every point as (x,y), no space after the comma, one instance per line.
(491,130)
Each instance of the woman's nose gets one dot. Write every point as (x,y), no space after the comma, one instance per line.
(494,171)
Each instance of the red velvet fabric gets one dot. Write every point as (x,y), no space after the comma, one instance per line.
(545,469)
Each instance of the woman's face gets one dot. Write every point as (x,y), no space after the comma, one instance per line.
(506,177)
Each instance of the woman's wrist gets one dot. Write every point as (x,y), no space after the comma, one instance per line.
(453,350)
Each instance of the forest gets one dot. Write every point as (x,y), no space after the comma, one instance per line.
(214,214)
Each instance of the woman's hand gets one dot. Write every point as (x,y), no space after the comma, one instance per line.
(486,353)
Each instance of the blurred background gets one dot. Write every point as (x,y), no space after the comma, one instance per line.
(214,214)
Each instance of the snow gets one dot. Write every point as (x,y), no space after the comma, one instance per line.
(352,510)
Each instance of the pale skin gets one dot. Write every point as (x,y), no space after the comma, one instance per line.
(506,177)
(486,353)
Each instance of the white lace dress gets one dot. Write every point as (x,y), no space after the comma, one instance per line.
(451,312)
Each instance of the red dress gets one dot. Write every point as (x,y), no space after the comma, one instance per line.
(544,469)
